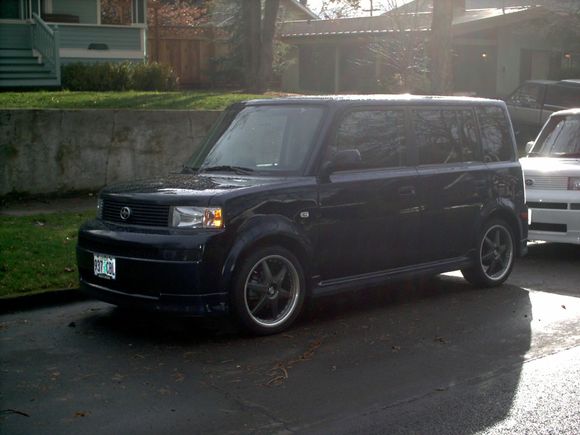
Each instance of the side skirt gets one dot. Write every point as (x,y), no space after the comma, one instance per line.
(373,279)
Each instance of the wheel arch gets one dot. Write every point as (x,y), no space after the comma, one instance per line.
(509,216)
(268,232)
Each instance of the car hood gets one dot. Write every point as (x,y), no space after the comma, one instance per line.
(194,189)
(550,166)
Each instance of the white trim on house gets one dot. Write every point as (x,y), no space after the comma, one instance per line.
(99,12)
(100,54)
(118,26)
(13,21)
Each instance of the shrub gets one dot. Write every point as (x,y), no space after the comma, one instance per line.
(153,77)
(118,76)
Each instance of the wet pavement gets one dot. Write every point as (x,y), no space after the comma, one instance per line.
(432,357)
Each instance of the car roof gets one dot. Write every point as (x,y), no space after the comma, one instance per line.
(391,99)
(574,82)
(542,82)
(575,111)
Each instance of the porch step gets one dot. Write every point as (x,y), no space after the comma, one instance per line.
(26,75)
(20,68)
(28,83)
(9,52)
(19,60)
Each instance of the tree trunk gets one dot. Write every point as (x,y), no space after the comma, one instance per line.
(441,45)
(251,22)
(268,31)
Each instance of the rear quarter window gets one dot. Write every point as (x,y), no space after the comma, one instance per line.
(445,136)
(563,96)
(496,138)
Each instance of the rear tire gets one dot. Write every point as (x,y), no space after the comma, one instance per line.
(494,258)
(268,290)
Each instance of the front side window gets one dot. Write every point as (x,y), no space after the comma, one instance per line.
(496,140)
(266,138)
(559,138)
(528,95)
(379,136)
(445,136)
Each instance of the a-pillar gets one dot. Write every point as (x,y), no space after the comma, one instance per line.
(336,69)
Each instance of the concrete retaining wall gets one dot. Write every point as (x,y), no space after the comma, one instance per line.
(57,151)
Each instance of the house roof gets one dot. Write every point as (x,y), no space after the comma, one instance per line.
(303,8)
(471,21)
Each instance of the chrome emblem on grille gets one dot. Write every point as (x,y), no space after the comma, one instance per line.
(125,213)
(529,182)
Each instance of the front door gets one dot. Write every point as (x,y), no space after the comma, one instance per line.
(368,212)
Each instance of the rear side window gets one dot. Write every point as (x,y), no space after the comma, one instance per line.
(563,96)
(379,136)
(445,136)
(528,95)
(496,139)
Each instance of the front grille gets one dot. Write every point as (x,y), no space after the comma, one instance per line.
(549,205)
(556,228)
(152,215)
(546,182)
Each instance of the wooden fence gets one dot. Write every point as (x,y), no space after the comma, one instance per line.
(187,50)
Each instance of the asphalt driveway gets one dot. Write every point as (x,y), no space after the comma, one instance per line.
(436,356)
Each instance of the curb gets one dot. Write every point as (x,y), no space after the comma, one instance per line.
(40,300)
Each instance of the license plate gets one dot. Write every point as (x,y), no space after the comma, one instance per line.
(104,266)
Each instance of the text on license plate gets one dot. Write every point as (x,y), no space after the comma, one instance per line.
(105,266)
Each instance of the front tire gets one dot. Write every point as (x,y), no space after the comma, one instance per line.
(268,290)
(494,259)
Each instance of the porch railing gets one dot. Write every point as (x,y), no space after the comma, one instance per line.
(46,41)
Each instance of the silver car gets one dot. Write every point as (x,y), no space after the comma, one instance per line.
(534,101)
(552,177)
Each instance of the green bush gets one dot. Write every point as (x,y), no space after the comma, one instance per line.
(153,77)
(118,76)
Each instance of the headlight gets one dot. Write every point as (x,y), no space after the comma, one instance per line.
(574,183)
(100,208)
(196,217)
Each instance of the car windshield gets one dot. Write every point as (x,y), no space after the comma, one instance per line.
(269,138)
(559,138)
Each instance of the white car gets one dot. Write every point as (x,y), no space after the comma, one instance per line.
(552,177)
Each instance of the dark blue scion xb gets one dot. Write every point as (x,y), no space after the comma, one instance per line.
(301,197)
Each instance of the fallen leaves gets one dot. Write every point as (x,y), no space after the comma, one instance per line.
(279,373)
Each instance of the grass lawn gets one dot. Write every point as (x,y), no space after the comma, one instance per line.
(193,100)
(37,253)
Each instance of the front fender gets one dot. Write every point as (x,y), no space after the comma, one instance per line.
(259,229)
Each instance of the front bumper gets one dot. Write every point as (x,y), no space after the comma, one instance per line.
(156,270)
(558,219)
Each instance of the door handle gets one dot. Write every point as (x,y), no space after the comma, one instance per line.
(407,191)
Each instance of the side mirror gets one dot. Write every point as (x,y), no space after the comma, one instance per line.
(529,146)
(341,160)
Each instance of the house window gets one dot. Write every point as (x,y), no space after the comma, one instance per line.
(10,9)
(122,12)
(116,12)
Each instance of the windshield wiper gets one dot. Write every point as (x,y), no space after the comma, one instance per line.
(228,168)
(569,155)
